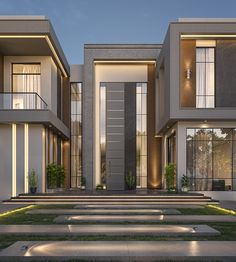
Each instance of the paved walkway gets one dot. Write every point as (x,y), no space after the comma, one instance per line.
(144,218)
(104,211)
(111,230)
(134,206)
(123,250)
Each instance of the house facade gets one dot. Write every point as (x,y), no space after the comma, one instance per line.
(124,114)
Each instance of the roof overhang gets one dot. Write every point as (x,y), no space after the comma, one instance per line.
(31,37)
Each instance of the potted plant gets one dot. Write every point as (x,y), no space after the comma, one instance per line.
(170,177)
(130,181)
(33,181)
(185,183)
(83,182)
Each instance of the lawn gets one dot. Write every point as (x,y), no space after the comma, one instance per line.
(228,230)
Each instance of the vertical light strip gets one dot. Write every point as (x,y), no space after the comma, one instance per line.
(13,160)
(43,160)
(26,156)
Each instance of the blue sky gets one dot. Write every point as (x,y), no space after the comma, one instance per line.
(78,22)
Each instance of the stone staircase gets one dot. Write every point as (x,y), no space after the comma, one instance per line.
(114,199)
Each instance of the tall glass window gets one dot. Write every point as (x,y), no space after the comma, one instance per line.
(211,158)
(141,135)
(103,131)
(205,77)
(76,134)
(26,78)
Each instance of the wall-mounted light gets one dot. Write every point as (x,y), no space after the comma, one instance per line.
(188,73)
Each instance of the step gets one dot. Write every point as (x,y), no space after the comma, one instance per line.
(121,251)
(103,211)
(111,230)
(164,202)
(144,206)
(143,218)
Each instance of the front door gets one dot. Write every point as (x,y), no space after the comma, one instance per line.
(115,136)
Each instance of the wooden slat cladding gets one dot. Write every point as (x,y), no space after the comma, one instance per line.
(188,61)
(154,145)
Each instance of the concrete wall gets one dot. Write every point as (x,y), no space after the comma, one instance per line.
(76,73)
(36,157)
(171,53)
(48,77)
(225,73)
(163,84)
(37,153)
(5,161)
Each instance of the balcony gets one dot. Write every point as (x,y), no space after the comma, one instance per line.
(21,101)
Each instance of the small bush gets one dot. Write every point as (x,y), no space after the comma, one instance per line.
(130,181)
(55,176)
(170,177)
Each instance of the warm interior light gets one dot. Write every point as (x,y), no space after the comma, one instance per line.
(49,43)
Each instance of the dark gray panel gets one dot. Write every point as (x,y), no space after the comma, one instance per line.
(225,73)
(130,128)
(115,143)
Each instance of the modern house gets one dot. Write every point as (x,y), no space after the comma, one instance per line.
(129,110)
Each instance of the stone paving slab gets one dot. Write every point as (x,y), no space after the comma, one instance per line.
(134,206)
(114,230)
(142,218)
(103,211)
(121,250)
(228,204)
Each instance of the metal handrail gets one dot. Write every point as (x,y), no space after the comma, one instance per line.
(30,103)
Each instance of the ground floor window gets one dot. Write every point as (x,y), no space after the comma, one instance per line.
(211,158)
(76,134)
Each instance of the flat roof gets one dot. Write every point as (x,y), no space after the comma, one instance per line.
(23,17)
(207,20)
(123,46)
(31,35)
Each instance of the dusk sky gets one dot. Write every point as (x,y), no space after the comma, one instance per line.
(78,22)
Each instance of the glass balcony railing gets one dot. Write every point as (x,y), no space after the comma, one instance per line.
(21,101)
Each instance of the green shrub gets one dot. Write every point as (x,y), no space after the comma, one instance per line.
(83,181)
(130,180)
(170,176)
(55,176)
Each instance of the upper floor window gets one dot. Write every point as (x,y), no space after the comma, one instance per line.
(26,78)
(26,81)
(205,75)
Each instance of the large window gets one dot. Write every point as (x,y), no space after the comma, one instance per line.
(211,158)
(76,134)
(205,77)
(26,81)
(141,135)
